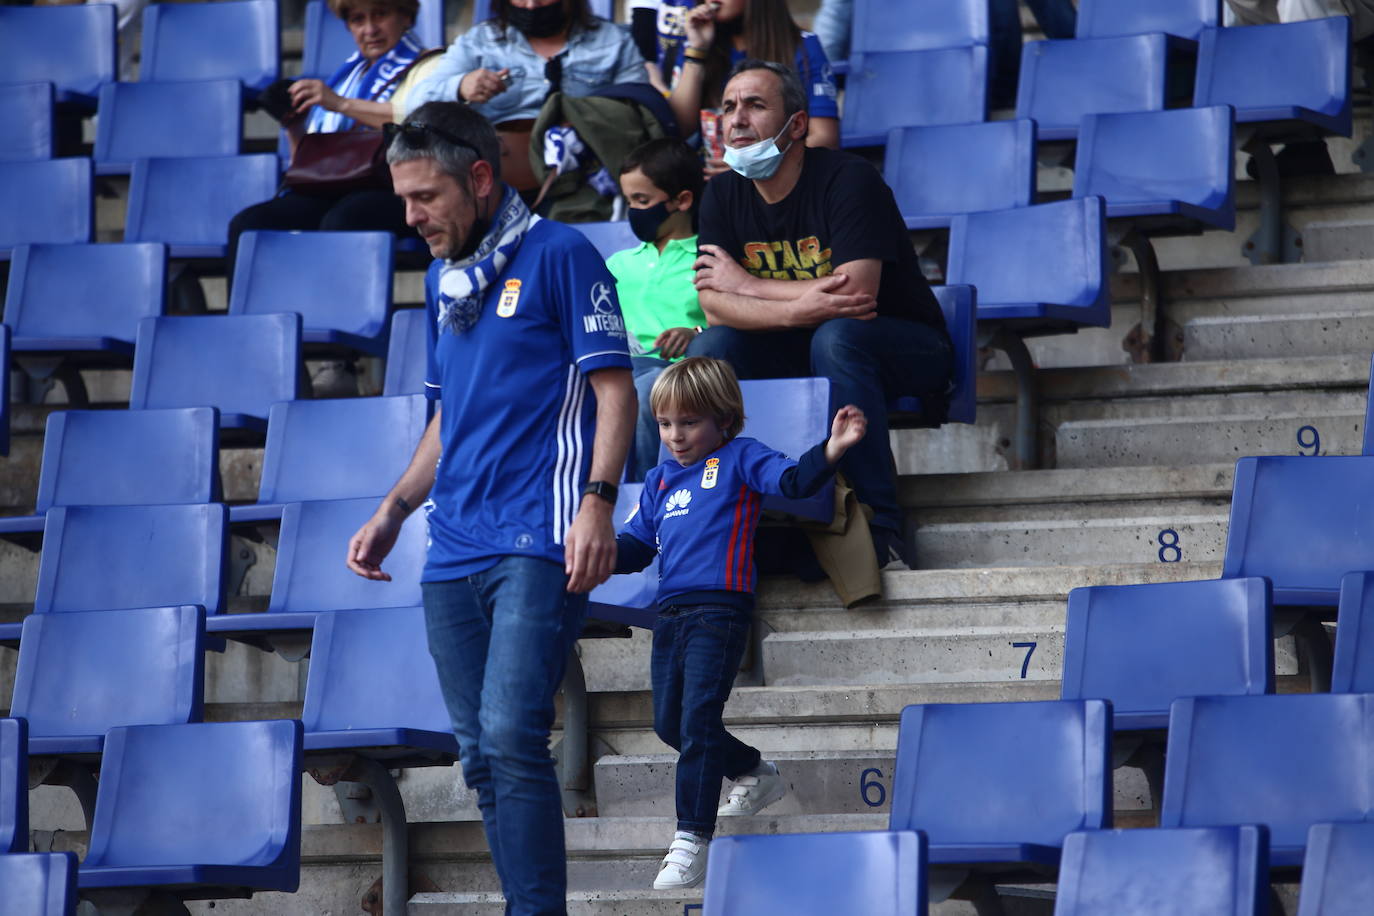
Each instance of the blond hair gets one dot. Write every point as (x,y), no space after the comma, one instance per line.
(700,384)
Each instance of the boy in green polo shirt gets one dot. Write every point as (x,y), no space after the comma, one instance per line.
(662,180)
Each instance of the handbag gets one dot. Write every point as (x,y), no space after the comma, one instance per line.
(339,163)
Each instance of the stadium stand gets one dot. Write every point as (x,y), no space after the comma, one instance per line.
(1209,871)
(871,109)
(14,786)
(1336,880)
(166,120)
(72,47)
(936,172)
(236,39)
(161,189)
(922,25)
(1061,81)
(26,121)
(405,354)
(4,389)
(47,200)
(1353,667)
(1181,18)
(878,873)
(39,883)
(1368,446)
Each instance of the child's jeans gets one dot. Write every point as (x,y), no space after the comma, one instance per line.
(697,650)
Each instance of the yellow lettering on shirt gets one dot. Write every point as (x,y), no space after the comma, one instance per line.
(804,259)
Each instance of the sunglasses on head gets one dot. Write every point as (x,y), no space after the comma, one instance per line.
(421,136)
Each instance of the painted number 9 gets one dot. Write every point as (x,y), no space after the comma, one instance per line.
(1168,540)
(1308,437)
(874,793)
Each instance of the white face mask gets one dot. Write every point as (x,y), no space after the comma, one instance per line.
(759,161)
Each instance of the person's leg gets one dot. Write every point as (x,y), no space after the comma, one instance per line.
(1057,18)
(665,677)
(534,623)
(646,370)
(1004,52)
(867,363)
(367,211)
(756,354)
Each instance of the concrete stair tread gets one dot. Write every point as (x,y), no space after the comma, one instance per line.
(1078,485)
(1071,514)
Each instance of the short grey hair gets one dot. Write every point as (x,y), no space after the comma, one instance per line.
(458,120)
(793,95)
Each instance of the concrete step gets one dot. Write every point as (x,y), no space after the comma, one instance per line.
(1080,486)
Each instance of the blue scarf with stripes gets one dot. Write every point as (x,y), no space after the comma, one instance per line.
(357,80)
(463,282)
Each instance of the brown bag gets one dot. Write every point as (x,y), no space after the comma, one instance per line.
(339,163)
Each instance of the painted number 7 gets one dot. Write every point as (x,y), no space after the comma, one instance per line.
(1030,650)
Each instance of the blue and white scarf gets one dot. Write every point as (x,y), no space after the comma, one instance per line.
(462,283)
(356,80)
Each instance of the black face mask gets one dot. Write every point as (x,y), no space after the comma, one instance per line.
(540,22)
(646,222)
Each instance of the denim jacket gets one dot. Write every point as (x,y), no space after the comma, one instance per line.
(592,58)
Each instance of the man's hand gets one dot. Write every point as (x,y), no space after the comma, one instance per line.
(821,303)
(305,93)
(374,540)
(589,549)
(482,85)
(848,427)
(718,272)
(673,342)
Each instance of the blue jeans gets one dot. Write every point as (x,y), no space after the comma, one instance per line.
(647,370)
(1057,18)
(697,650)
(500,640)
(868,363)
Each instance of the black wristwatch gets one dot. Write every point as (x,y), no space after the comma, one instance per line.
(606,491)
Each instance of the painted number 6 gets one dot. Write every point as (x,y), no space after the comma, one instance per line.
(874,792)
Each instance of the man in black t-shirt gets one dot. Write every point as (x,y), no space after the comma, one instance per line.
(805,268)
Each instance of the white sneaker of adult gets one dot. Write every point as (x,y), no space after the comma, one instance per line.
(685,863)
(754,792)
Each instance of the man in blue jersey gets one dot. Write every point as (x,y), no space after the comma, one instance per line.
(528,361)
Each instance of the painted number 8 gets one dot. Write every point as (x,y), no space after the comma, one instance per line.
(1168,540)
(1313,440)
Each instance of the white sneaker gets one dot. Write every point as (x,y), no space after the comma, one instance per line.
(685,863)
(754,792)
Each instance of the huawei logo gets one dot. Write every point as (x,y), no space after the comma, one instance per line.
(678,500)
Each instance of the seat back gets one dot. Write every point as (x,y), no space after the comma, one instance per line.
(919,25)
(960,306)
(72,47)
(1213,871)
(168,120)
(790,416)
(1352,669)
(1302,523)
(26,121)
(311,575)
(407,351)
(1336,877)
(1061,81)
(1293,71)
(240,364)
(85,291)
(39,883)
(129,457)
(1183,18)
(981,773)
(328,43)
(234,39)
(153,778)
(372,669)
(1142,161)
(100,558)
(339,449)
(609,237)
(346,288)
(1043,263)
(14,786)
(871,108)
(1286,762)
(1143,646)
(46,200)
(221,186)
(83,673)
(879,873)
(935,172)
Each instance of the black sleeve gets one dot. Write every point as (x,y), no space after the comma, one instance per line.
(644,30)
(631,554)
(859,211)
(808,475)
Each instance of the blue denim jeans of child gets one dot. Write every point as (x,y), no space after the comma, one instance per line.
(500,640)
(697,650)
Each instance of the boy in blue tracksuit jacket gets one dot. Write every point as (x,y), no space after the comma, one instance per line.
(698,512)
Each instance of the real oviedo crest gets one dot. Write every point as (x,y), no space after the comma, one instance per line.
(708,476)
(510,298)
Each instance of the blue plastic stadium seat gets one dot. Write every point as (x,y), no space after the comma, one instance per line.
(83,673)
(236,40)
(343,298)
(169,120)
(14,786)
(790,415)
(946,86)
(1353,664)
(240,364)
(627,598)
(236,790)
(878,873)
(1336,877)
(1294,75)
(1286,762)
(104,291)
(1368,448)
(1041,268)
(1061,81)
(159,190)
(1181,18)
(46,200)
(919,25)
(39,883)
(4,389)
(334,449)
(1003,782)
(328,43)
(406,353)
(26,121)
(1143,646)
(124,457)
(1302,523)
(1211,871)
(1172,167)
(609,237)
(936,172)
(960,307)
(72,47)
